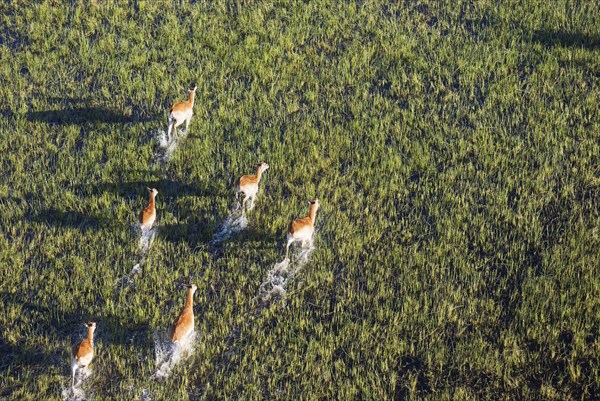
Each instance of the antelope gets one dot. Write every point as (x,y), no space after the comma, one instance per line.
(248,184)
(184,325)
(180,112)
(303,229)
(83,352)
(148,215)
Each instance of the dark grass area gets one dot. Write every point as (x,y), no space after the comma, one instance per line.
(453,148)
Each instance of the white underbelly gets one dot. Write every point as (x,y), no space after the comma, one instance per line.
(250,190)
(184,332)
(181,116)
(149,221)
(303,234)
(85,360)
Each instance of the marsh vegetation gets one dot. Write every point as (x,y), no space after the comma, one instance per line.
(454,148)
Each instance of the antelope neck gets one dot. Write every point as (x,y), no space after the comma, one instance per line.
(189,302)
(312,214)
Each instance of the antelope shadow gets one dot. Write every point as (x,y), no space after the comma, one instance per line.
(195,233)
(553,38)
(168,189)
(79,111)
(64,324)
(259,238)
(82,115)
(68,218)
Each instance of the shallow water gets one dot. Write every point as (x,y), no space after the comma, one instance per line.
(168,355)
(76,393)
(166,147)
(274,288)
(235,222)
(145,396)
(146,238)
(129,279)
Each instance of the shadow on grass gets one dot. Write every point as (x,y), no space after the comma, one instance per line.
(23,359)
(15,356)
(68,110)
(82,115)
(194,233)
(68,218)
(56,330)
(413,366)
(168,189)
(112,328)
(196,229)
(553,38)
(202,231)
(259,236)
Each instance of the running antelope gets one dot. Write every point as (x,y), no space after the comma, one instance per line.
(184,325)
(181,112)
(248,185)
(303,229)
(148,215)
(83,352)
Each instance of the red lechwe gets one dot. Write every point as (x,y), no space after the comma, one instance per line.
(303,229)
(148,215)
(248,184)
(184,325)
(83,352)
(181,112)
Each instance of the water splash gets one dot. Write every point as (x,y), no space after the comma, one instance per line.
(145,396)
(235,222)
(76,393)
(146,238)
(166,147)
(135,270)
(282,273)
(73,394)
(129,279)
(169,354)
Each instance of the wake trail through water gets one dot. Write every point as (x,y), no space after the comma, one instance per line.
(169,354)
(146,237)
(235,222)
(76,393)
(166,148)
(274,288)
(145,396)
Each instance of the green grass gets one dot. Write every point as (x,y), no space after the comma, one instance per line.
(454,146)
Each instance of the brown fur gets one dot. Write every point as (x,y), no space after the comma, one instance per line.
(82,353)
(85,347)
(181,112)
(302,229)
(248,184)
(251,179)
(184,325)
(184,104)
(148,215)
(247,180)
(299,224)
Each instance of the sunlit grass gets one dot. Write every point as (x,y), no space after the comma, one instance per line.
(454,150)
